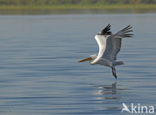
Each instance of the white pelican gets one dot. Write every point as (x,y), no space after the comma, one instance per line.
(109,46)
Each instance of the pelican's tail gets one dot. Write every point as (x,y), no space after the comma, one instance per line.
(114,72)
(119,63)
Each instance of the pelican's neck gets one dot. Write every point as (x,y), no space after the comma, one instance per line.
(95,61)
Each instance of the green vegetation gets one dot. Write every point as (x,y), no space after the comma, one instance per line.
(76,7)
(60,2)
(76,4)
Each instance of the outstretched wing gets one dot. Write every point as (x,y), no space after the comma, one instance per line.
(101,39)
(124,32)
(114,43)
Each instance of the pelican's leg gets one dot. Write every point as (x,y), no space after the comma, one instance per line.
(114,72)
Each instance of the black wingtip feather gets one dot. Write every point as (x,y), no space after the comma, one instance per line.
(106,30)
(128,35)
(126,30)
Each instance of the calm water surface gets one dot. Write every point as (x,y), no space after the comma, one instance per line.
(39,74)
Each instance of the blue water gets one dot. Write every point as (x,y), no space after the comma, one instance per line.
(39,74)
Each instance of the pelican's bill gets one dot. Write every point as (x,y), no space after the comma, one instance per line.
(86,59)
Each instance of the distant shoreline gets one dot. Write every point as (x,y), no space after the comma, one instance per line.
(78,7)
(67,9)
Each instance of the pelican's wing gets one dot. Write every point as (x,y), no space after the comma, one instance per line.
(114,43)
(124,32)
(113,48)
(101,40)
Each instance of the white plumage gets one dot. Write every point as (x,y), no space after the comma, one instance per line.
(109,46)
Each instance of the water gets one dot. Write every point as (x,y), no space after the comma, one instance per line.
(39,74)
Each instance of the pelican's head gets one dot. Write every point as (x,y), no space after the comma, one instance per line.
(90,59)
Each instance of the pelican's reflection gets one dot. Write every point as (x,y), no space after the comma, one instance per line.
(109,96)
(107,92)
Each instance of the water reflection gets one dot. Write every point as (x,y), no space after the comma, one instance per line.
(108,96)
(107,91)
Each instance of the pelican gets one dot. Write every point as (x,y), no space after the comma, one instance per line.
(109,46)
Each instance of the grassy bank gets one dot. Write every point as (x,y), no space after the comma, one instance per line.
(78,7)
